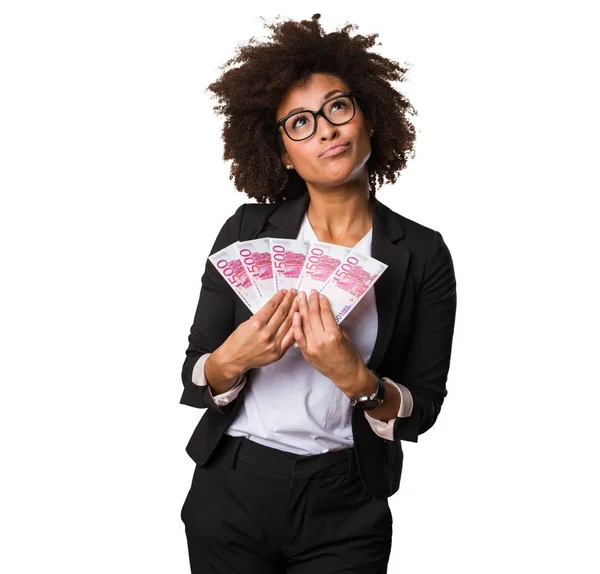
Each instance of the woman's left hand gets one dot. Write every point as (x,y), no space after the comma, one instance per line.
(324,344)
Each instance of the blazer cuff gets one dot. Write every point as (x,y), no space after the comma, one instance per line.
(406,399)
(199,378)
(385,429)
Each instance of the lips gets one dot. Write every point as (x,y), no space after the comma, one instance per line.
(335,150)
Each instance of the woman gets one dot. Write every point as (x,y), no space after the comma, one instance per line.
(300,446)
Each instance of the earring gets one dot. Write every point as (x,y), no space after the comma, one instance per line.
(288,166)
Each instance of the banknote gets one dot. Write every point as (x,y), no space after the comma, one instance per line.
(348,284)
(287,257)
(321,261)
(255,255)
(230,266)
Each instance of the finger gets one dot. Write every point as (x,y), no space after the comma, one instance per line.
(281,313)
(294,308)
(286,325)
(298,331)
(329,323)
(293,311)
(314,312)
(304,315)
(289,339)
(263,315)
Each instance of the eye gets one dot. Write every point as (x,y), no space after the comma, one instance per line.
(341,103)
(296,119)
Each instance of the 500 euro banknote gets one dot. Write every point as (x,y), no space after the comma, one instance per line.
(321,261)
(348,284)
(230,266)
(287,257)
(255,255)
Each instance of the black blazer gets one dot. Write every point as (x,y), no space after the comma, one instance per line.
(416,304)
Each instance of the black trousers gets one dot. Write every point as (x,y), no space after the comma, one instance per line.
(253,509)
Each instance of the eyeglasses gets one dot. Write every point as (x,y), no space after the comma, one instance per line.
(337,111)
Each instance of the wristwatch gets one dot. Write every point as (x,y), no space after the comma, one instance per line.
(370,402)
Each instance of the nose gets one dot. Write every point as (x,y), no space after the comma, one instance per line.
(324,128)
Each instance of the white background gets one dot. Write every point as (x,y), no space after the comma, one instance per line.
(114,187)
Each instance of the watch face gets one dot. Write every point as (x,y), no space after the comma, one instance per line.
(368,405)
(371,404)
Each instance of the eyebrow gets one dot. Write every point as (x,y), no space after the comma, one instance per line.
(327,95)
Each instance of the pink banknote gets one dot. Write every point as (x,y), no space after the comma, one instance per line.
(229,265)
(321,261)
(348,284)
(287,257)
(255,255)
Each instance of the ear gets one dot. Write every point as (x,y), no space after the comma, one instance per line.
(287,162)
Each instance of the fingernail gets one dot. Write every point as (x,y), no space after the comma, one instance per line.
(313,291)
(294,291)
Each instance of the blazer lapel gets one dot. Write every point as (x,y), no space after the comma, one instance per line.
(387,231)
(285,222)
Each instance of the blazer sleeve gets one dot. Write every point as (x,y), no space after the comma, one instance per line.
(214,320)
(425,369)
(199,378)
(385,429)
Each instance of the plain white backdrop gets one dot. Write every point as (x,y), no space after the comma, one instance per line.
(114,187)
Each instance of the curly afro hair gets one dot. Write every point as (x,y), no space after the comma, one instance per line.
(249,95)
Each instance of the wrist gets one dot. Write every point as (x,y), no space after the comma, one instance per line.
(366,384)
(225,365)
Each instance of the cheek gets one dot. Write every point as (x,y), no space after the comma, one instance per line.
(305,159)
(364,150)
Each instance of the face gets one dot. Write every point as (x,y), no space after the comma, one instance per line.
(304,156)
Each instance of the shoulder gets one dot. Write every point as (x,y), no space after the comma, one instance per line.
(417,237)
(249,217)
(430,259)
(429,253)
(253,211)
(247,211)
(259,210)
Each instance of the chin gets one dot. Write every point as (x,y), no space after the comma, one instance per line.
(343,173)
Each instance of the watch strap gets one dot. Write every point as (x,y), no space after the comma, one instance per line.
(370,402)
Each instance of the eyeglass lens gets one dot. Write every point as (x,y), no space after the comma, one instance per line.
(302,124)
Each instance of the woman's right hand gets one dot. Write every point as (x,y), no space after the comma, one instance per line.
(265,337)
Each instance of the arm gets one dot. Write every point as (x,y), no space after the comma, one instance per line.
(427,363)
(214,320)
(199,378)
(385,427)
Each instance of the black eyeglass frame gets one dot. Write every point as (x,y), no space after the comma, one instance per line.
(318,113)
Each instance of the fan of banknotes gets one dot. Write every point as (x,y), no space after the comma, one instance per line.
(258,268)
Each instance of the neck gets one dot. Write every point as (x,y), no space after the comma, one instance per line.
(339,215)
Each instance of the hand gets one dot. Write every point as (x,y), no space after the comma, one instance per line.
(324,344)
(265,337)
